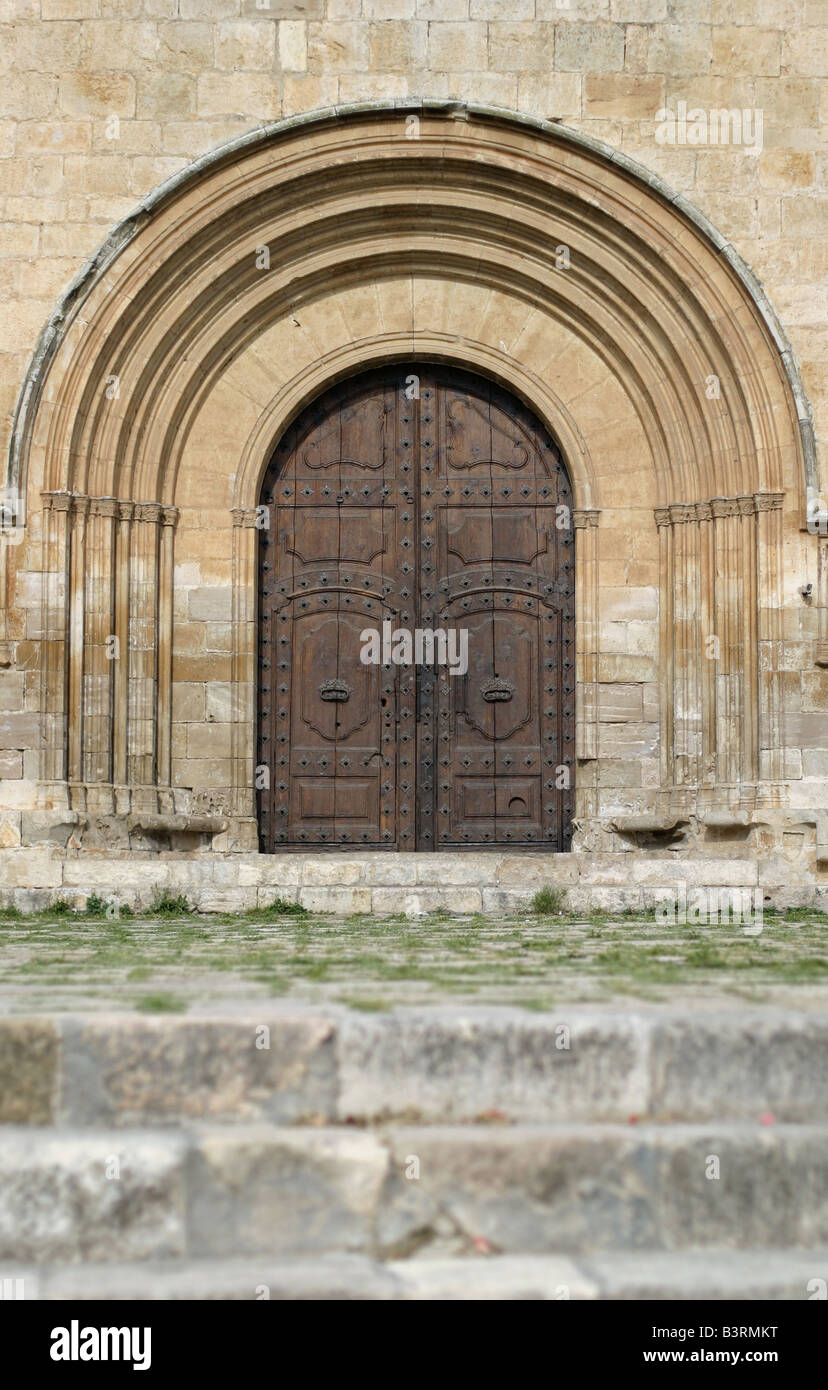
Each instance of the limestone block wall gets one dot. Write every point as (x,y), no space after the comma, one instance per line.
(101,100)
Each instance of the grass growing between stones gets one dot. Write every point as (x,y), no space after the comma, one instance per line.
(173,959)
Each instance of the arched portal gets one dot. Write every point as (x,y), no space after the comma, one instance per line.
(288,263)
(417,621)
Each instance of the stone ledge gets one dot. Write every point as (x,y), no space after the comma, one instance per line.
(727,820)
(180,825)
(647,825)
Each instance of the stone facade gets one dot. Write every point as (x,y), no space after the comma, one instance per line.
(574,245)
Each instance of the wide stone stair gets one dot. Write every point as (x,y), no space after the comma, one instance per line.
(428,1153)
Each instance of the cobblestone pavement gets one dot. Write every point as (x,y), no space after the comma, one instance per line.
(180,963)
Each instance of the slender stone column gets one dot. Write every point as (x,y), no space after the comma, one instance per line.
(77,588)
(243,669)
(53,699)
(143,629)
(749,770)
(688,714)
(769,567)
(121,694)
(665,643)
(729,633)
(585,524)
(166,560)
(707,664)
(821,654)
(100,652)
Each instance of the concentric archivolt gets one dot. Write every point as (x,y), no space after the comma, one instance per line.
(518,249)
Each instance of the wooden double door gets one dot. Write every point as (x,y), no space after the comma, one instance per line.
(406,503)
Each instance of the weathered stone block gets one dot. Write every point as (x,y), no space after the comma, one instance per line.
(130,1071)
(334,899)
(747,1063)
(453,1065)
(69,1197)
(284,1191)
(596,47)
(28,1071)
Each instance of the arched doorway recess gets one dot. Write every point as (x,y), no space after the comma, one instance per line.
(416,621)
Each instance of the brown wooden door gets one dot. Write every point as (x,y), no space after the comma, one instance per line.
(426,498)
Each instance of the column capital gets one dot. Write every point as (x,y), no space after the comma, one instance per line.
(104,506)
(768,501)
(725,506)
(148,511)
(56,501)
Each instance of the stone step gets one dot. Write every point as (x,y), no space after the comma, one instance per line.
(385,883)
(650,1274)
(294,1064)
(222,1191)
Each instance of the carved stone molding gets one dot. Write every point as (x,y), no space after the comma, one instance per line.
(123,509)
(746,504)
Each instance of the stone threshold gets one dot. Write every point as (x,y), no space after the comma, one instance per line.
(390,883)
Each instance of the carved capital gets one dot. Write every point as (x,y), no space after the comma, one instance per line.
(724,506)
(582,517)
(747,506)
(169,516)
(662,516)
(103,506)
(56,501)
(126,511)
(704,511)
(682,512)
(768,501)
(80,504)
(148,511)
(243,516)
